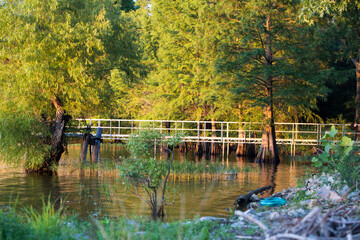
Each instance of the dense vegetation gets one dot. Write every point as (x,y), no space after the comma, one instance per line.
(266,61)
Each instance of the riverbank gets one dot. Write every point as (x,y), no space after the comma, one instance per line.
(320,209)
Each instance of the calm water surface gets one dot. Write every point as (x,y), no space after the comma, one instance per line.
(102,193)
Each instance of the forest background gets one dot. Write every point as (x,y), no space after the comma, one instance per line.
(263,61)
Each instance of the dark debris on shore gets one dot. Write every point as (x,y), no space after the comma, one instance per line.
(322,209)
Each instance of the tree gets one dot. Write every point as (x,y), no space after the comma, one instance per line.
(143,171)
(343,18)
(181,42)
(57,57)
(268,53)
(180,39)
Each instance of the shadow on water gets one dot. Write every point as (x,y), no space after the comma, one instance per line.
(102,192)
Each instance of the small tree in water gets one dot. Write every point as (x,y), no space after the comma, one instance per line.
(142,171)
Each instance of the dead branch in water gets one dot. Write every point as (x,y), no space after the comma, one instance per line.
(245,199)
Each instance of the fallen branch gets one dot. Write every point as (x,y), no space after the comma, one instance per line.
(245,199)
(288,236)
(249,237)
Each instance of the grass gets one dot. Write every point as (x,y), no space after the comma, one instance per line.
(31,224)
(55,224)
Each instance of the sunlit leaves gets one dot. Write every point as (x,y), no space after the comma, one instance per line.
(339,156)
(22,140)
(65,49)
(143,171)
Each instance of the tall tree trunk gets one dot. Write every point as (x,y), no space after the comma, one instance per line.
(357,99)
(241,147)
(214,145)
(183,147)
(268,150)
(198,148)
(250,148)
(205,145)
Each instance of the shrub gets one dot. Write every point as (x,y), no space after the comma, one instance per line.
(339,157)
(145,172)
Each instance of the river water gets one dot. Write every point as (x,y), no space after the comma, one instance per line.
(102,193)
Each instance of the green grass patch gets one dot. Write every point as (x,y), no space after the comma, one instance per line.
(55,224)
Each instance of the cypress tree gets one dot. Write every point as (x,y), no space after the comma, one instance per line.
(268,53)
(183,79)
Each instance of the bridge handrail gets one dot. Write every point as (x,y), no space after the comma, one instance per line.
(291,133)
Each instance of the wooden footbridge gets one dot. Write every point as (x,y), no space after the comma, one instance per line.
(293,134)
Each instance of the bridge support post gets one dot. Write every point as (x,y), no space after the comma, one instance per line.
(222,141)
(85,144)
(96,145)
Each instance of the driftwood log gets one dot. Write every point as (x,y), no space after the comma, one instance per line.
(245,199)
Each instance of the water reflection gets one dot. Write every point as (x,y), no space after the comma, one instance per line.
(102,192)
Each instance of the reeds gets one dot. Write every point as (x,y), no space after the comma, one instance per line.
(185,170)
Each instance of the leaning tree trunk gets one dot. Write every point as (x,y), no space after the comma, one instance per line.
(57,141)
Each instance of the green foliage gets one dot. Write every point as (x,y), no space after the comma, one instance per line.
(49,223)
(64,49)
(127,5)
(45,220)
(143,143)
(338,156)
(148,174)
(145,172)
(181,42)
(301,195)
(27,224)
(271,61)
(23,140)
(339,23)
(60,56)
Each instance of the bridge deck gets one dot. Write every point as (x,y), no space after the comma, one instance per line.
(226,132)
